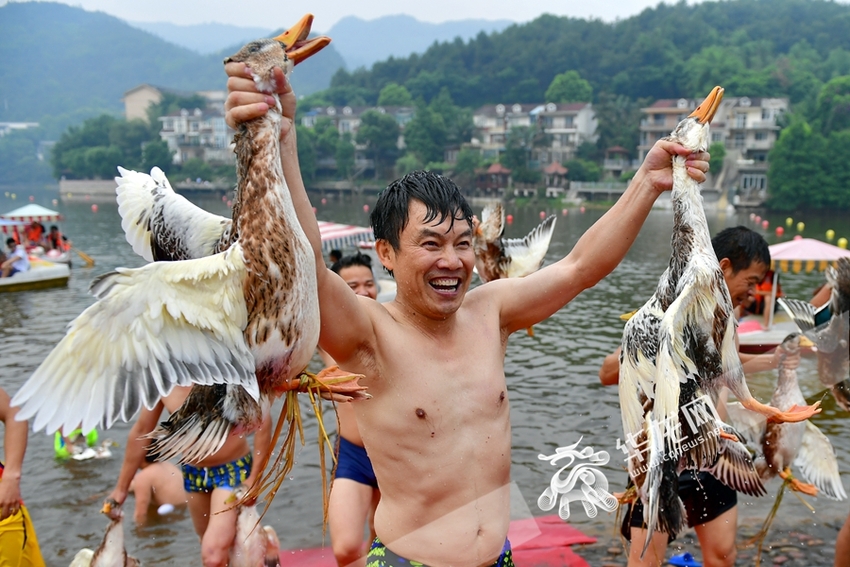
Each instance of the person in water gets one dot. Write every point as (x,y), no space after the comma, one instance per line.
(18,540)
(354,493)
(437,427)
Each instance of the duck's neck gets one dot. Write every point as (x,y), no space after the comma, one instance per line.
(261,187)
(690,227)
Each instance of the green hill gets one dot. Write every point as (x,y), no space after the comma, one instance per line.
(752,47)
(59,63)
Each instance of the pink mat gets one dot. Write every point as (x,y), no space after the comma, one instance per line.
(542,542)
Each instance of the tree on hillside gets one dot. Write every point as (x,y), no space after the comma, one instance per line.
(569,87)
(395,95)
(468,160)
(833,105)
(19,161)
(618,121)
(796,173)
(379,133)
(344,156)
(712,66)
(425,135)
(306,139)
(157,154)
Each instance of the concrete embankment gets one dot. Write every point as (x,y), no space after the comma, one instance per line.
(87,189)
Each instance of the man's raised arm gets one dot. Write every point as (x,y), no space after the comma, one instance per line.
(245,103)
(529,300)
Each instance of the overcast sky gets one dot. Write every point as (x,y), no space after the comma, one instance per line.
(279,13)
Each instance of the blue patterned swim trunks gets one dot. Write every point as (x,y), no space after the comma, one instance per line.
(228,476)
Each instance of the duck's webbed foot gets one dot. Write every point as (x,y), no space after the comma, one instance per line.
(332,383)
(793,415)
(798,485)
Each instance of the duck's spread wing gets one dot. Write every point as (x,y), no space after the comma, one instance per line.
(492,222)
(526,254)
(160,224)
(734,468)
(816,460)
(152,328)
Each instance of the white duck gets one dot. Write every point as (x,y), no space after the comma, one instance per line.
(241,324)
(678,350)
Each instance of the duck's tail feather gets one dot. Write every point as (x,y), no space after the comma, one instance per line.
(663,509)
(200,427)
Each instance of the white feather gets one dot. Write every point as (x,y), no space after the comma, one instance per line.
(165,324)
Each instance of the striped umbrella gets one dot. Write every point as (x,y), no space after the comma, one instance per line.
(31,213)
(338,236)
(804,254)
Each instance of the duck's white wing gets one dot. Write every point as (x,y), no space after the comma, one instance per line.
(160,224)
(816,460)
(526,254)
(492,222)
(165,324)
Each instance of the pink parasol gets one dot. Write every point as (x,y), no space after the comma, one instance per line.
(805,254)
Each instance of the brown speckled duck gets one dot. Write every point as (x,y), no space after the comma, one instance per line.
(241,324)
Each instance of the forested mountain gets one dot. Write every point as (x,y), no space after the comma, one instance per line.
(752,47)
(62,64)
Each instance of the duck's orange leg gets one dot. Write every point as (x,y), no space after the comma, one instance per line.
(797,485)
(793,415)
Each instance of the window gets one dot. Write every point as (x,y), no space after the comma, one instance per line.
(658,119)
(753,181)
(739,139)
(740,120)
(761,136)
(766,114)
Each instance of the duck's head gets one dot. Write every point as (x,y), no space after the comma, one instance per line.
(692,132)
(284,51)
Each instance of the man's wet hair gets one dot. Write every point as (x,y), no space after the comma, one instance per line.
(741,246)
(440,195)
(10,242)
(358,259)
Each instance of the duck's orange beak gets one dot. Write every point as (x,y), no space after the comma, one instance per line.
(704,113)
(298,47)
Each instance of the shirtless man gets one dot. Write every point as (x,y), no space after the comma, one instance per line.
(354,494)
(208,483)
(438,425)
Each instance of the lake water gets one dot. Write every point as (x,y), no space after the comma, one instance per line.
(555,394)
